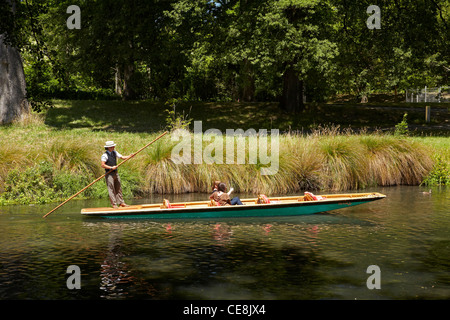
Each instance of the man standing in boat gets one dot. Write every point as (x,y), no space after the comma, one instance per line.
(109,162)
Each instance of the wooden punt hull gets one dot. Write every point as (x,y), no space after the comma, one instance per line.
(281,206)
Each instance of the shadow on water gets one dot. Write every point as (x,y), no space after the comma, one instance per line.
(203,260)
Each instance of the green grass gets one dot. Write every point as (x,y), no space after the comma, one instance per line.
(144,116)
(48,157)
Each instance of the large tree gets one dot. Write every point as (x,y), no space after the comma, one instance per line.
(409,50)
(251,50)
(13,102)
(118,45)
(259,46)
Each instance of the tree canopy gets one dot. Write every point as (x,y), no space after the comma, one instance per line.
(247,50)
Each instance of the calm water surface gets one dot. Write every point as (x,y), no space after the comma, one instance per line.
(324,256)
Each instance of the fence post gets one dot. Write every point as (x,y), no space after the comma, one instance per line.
(427,113)
(425,98)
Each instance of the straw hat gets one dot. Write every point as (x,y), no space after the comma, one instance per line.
(109,144)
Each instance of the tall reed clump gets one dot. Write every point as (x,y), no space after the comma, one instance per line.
(395,161)
(327,159)
(75,156)
(345,162)
(161,174)
(45,165)
(301,162)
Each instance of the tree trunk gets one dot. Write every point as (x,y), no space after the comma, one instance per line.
(248,82)
(117,81)
(292,97)
(248,90)
(13,102)
(128,91)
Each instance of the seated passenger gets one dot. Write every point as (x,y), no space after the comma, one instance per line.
(213,196)
(224,197)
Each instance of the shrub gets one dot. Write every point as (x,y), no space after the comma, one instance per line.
(401,129)
(439,175)
(32,185)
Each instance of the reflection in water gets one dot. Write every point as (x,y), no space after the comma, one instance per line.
(322,256)
(222,234)
(241,259)
(113,270)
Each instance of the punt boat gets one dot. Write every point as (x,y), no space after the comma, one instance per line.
(260,206)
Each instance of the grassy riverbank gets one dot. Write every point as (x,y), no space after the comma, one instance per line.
(51,156)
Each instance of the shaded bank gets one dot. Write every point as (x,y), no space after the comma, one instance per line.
(44,165)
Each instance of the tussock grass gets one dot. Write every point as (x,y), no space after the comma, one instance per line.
(326,159)
(394,161)
(74,156)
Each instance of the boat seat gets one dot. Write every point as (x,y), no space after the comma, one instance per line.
(167,205)
(309,196)
(213,203)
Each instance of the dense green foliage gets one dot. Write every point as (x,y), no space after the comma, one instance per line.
(43,183)
(251,50)
(440,174)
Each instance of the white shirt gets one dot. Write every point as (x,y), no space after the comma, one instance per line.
(105,156)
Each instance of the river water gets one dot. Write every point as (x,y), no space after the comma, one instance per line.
(323,256)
